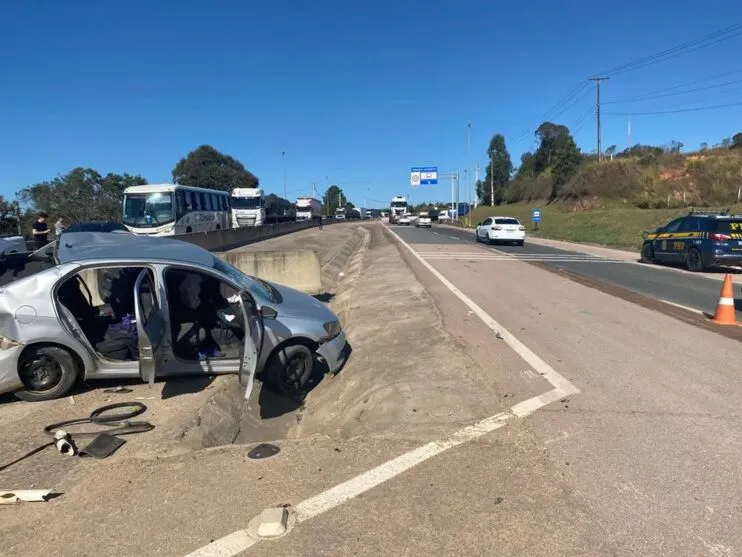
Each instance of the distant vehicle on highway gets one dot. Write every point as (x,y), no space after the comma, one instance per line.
(167,209)
(308,208)
(423,219)
(698,240)
(340,214)
(96,226)
(398,207)
(98,301)
(494,230)
(247,207)
(404,220)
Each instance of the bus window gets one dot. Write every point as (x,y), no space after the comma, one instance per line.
(180,204)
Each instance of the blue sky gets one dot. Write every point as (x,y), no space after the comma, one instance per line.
(357,93)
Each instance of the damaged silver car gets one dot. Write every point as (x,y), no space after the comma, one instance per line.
(100,305)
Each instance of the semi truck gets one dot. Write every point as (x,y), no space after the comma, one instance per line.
(340,213)
(308,208)
(247,207)
(398,207)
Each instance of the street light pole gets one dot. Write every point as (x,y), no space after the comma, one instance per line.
(283,171)
(468,161)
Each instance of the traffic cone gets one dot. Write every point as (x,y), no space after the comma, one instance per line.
(725,312)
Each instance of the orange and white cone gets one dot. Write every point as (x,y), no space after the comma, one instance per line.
(725,312)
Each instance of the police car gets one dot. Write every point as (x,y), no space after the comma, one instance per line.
(699,240)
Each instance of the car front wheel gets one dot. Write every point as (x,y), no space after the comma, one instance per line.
(647,254)
(290,369)
(47,372)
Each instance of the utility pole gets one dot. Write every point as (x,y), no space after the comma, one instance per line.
(492,180)
(476,182)
(597,81)
(283,171)
(468,161)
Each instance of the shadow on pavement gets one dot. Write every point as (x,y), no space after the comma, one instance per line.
(183,386)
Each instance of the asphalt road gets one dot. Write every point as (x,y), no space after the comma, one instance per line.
(686,289)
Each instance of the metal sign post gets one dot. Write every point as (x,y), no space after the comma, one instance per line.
(536,217)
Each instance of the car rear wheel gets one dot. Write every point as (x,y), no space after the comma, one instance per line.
(647,254)
(290,369)
(47,372)
(520,242)
(476,237)
(694,260)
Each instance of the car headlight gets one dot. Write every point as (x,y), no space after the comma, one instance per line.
(332,328)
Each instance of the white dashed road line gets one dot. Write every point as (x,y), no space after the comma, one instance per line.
(239,541)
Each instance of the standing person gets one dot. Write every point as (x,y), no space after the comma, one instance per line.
(59,226)
(40,231)
(319,220)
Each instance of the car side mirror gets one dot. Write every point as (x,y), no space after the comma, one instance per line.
(268,312)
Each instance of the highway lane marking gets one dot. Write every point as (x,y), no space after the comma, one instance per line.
(681,306)
(559,383)
(237,542)
(454,237)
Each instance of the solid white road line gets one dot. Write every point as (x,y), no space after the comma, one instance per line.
(239,541)
(681,306)
(539,365)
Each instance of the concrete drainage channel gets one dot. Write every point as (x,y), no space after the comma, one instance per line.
(225,419)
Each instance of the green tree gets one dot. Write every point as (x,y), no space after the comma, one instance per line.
(333,198)
(736,141)
(208,168)
(80,195)
(499,170)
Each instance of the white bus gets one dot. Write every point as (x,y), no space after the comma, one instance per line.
(167,209)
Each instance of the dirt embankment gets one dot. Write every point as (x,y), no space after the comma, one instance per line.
(406,377)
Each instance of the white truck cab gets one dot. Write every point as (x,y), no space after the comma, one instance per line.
(247,207)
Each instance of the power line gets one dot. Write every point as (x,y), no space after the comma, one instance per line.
(555,110)
(684,48)
(662,95)
(695,109)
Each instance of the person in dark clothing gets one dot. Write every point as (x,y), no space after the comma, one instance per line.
(319,221)
(41,231)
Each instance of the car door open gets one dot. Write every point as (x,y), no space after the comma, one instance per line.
(150,320)
(253,341)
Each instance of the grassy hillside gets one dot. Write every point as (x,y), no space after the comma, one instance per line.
(651,181)
(612,202)
(616,225)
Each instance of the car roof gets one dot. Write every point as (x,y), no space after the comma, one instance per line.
(502,217)
(85,246)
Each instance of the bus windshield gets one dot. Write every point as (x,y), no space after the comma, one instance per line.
(148,210)
(246,203)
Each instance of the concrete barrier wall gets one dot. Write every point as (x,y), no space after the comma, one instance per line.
(299,269)
(223,240)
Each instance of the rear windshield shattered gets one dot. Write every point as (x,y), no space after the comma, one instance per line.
(507,221)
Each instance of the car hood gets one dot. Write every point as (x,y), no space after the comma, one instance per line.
(299,305)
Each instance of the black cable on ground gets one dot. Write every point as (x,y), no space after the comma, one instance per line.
(120,424)
(121,421)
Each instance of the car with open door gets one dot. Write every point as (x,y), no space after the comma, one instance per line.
(100,305)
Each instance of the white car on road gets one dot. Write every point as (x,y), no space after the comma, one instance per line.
(501,229)
(423,220)
(404,220)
